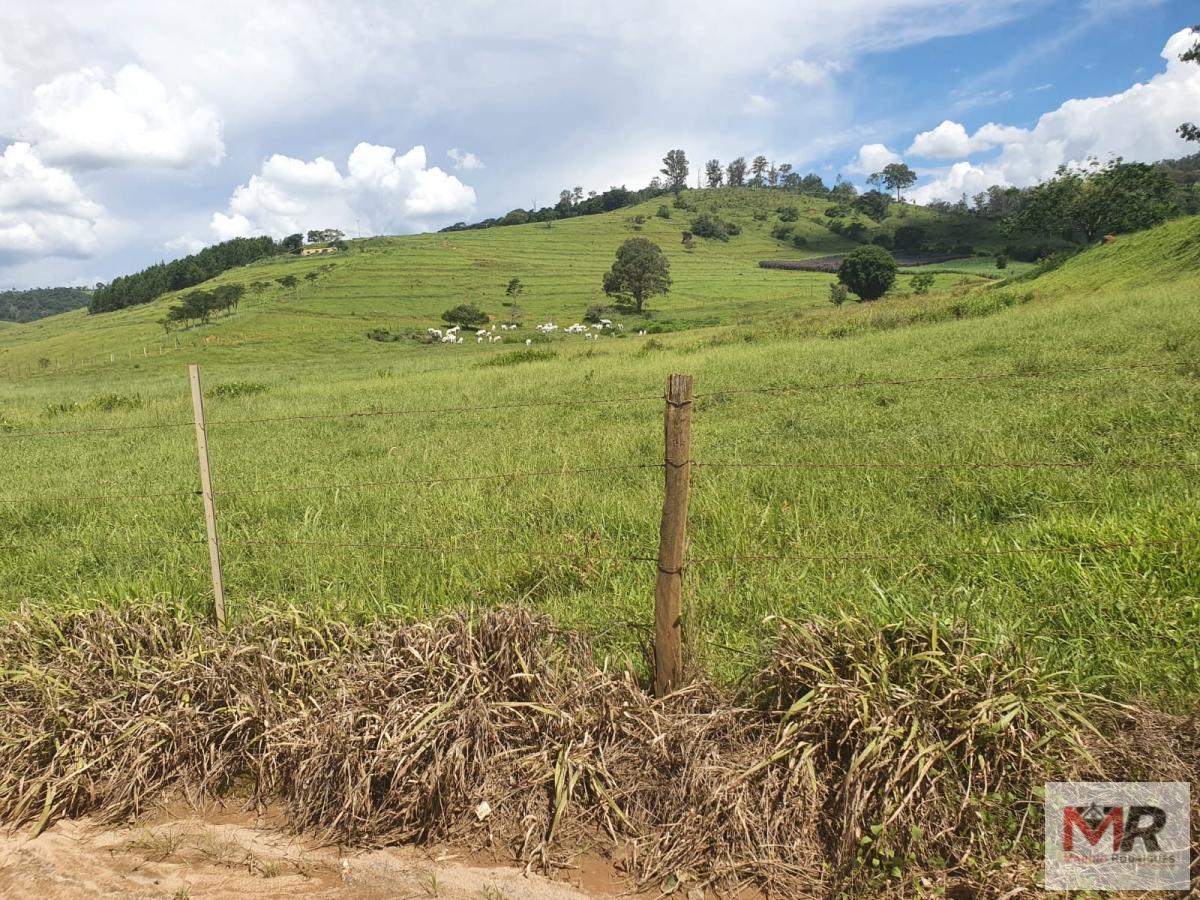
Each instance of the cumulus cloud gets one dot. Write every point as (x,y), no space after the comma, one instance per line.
(1136,124)
(43,212)
(871,158)
(380,192)
(806,73)
(950,139)
(86,119)
(464,160)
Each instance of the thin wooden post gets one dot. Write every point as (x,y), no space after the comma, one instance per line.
(210,507)
(672,540)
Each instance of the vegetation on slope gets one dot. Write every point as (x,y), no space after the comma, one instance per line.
(37,303)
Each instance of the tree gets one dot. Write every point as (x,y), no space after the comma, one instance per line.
(874,205)
(675,168)
(909,237)
(1087,202)
(312,277)
(467,315)
(773,176)
(868,271)
(1188,130)
(293,243)
(639,272)
(895,177)
(289,282)
(735,172)
(713,173)
(513,291)
(689,241)
(260,288)
(756,170)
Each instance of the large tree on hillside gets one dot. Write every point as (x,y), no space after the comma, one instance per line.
(895,177)
(675,168)
(756,170)
(639,272)
(735,172)
(713,173)
(1188,130)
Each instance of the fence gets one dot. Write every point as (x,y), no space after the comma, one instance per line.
(677,464)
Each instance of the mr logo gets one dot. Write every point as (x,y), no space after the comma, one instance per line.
(1117,835)
(1127,825)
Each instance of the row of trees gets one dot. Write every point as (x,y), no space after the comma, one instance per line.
(163,277)
(199,306)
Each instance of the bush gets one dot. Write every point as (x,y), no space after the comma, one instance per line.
(922,283)
(883,239)
(760,216)
(963,250)
(1001,261)
(838,293)
(1028,252)
(837,212)
(468,315)
(382,335)
(681,202)
(788,214)
(868,271)
(596,312)
(663,212)
(709,226)
(856,231)
(782,232)
(799,241)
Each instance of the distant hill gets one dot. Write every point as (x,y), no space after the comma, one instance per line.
(37,303)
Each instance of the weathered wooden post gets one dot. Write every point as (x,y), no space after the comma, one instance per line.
(672,541)
(210,507)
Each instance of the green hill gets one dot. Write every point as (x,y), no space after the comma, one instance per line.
(1051,506)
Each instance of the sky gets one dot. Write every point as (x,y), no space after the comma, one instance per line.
(135,131)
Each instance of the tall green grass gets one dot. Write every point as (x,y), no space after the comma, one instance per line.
(975,546)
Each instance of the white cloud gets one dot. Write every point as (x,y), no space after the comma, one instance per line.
(757,104)
(1137,124)
(464,160)
(185,243)
(43,212)
(806,73)
(86,119)
(379,193)
(950,139)
(872,158)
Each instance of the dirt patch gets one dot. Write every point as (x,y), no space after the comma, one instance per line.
(224,856)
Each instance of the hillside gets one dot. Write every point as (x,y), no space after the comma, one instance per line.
(403,284)
(320,510)
(37,303)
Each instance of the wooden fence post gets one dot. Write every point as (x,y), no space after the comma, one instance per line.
(672,540)
(210,507)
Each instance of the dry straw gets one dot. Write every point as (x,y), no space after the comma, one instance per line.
(859,760)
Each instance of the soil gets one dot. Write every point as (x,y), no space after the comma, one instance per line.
(221,855)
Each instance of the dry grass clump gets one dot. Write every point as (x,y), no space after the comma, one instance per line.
(861,757)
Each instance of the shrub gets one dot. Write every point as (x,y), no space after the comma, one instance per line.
(799,241)
(1001,261)
(922,283)
(837,212)
(468,315)
(856,231)
(382,335)
(709,226)
(963,250)
(868,271)
(838,293)
(760,216)
(681,202)
(788,214)
(111,402)
(663,212)
(689,241)
(883,239)
(595,313)
(782,232)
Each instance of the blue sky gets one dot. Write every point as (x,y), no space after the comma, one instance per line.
(134,131)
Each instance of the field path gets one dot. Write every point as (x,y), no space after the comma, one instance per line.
(224,857)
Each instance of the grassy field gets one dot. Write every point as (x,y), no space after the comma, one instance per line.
(875,503)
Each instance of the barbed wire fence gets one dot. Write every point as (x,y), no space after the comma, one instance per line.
(678,465)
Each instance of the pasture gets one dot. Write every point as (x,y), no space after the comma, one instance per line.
(867,468)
